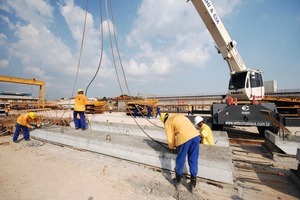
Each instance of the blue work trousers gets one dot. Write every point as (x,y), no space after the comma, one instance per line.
(79,123)
(25,130)
(191,150)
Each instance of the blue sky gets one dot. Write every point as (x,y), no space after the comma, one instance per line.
(164,46)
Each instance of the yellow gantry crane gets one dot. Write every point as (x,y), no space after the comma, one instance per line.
(41,98)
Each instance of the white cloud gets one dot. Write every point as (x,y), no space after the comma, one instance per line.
(167,38)
(108,28)
(3,39)
(33,11)
(4,64)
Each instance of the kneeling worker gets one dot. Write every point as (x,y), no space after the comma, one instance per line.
(183,137)
(205,131)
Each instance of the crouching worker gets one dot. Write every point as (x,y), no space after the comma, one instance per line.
(183,138)
(205,131)
(23,123)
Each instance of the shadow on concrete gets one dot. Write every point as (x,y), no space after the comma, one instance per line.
(167,159)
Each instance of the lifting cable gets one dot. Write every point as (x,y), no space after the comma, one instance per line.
(115,66)
(111,46)
(79,59)
(123,71)
(101,53)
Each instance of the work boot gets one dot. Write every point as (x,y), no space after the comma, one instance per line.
(193,184)
(177,183)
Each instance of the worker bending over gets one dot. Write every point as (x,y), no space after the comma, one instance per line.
(205,131)
(183,138)
(23,123)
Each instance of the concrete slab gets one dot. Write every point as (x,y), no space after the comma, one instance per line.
(221,139)
(126,142)
(287,146)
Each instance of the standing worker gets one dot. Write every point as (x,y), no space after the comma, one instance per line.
(157,112)
(190,109)
(7,109)
(149,110)
(183,138)
(205,131)
(23,123)
(79,108)
(110,108)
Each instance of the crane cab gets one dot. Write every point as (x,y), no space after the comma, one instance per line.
(246,85)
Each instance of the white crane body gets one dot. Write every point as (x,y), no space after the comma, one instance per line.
(245,84)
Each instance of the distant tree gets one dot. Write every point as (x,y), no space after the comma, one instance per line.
(104,99)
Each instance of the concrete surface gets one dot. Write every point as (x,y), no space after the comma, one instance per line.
(287,146)
(127,141)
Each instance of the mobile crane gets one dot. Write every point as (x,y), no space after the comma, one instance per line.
(245,84)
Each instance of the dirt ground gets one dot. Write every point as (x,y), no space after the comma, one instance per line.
(34,170)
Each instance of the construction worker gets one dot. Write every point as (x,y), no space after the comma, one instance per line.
(205,131)
(23,123)
(149,112)
(110,108)
(190,109)
(79,109)
(183,138)
(7,109)
(157,112)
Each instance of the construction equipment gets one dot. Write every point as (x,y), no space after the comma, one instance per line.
(3,107)
(41,98)
(142,107)
(95,107)
(245,84)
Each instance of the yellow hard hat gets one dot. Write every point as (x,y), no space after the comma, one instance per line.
(32,115)
(164,117)
(80,90)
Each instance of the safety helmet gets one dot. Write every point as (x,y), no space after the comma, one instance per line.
(197,120)
(32,115)
(80,90)
(164,117)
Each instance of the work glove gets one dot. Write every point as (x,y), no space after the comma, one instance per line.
(174,151)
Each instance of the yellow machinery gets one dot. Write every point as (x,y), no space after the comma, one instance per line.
(95,107)
(41,98)
(142,104)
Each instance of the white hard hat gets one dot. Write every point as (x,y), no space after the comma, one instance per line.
(197,120)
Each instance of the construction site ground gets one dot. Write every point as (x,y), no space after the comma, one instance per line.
(40,170)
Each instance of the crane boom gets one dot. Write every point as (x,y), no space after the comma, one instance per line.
(245,83)
(215,26)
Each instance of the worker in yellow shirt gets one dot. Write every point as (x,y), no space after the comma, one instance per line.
(190,109)
(79,109)
(205,131)
(23,123)
(110,108)
(182,137)
(7,109)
